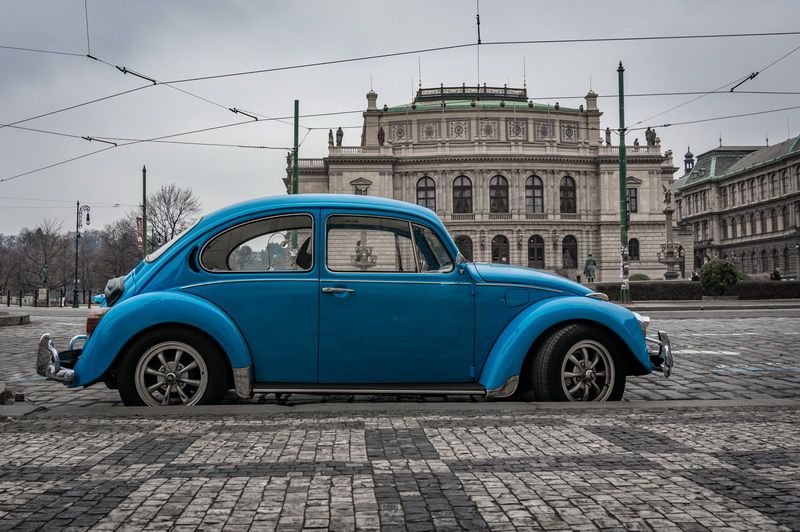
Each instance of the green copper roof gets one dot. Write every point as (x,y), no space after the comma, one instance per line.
(467,104)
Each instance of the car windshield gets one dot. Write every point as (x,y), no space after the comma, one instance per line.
(160,251)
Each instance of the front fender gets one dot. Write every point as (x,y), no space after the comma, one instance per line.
(132,316)
(508,352)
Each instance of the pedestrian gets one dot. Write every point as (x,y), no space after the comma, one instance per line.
(589,267)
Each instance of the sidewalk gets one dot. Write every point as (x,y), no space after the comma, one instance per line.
(697,304)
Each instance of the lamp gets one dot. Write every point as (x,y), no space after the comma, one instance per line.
(483,238)
(519,238)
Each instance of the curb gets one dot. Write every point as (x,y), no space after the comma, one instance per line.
(7,320)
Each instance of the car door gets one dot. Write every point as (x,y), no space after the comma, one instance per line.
(264,274)
(387,315)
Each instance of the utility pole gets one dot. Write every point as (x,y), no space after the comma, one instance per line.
(625,286)
(296,169)
(78,211)
(144,211)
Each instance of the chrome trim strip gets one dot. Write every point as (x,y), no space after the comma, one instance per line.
(516,285)
(366,391)
(227,281)
(506,390)
(243,383)
(388,281)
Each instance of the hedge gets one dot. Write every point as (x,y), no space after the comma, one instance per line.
(688,290)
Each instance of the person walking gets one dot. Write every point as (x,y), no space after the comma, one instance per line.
(589,267)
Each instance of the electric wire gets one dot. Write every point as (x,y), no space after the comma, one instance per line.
(712,119)
(86,17)
(71,202)
(40,51)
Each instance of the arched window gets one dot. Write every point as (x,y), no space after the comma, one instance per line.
(569,252)
(741,192)
(633,249)
(752,224)
(426,193)
(785,181)
(785,260)
(536,252)
(568,195)
(762,222)
(464,244)
(745,263)
(764,261)
(775,259)
(762,188)
(498,194)
(733,228)
(785,218)
(462,195)
(534,195)
(724,229)
(751,184)
(773,215)
(754,262)
(774,188)
(500,249)
(724,197)
(732,191)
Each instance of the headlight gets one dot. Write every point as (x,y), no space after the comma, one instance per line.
(644,321)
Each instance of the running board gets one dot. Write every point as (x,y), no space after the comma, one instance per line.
(446,388)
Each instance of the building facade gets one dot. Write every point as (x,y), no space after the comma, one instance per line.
(742,203)
(514,182)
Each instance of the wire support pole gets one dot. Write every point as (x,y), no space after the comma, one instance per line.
(624,292)
(296,149)
(144,212)
(79,210)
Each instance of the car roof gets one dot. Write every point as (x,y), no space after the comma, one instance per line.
(322,201)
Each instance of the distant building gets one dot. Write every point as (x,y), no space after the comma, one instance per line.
(514,182)
(742,203)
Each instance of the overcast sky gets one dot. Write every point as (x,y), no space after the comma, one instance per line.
(173,40)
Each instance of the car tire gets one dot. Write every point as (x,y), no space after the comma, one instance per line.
(578,363)
(169,367)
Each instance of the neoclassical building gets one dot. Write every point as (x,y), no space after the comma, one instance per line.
(514,181)
(742,203)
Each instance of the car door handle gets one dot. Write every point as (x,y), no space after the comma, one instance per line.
(336,290)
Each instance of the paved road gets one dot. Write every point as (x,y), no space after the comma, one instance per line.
(715,447)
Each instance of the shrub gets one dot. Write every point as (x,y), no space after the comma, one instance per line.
(718,277)
(768,289)
(654,290)
(639,277)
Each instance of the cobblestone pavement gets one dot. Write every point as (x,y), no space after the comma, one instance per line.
(716,358)
(447,467)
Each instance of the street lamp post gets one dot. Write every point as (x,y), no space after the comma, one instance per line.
(79,210)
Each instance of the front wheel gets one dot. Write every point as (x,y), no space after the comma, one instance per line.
(578,363)
(172,367)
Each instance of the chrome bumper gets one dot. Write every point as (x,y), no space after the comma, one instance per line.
(660,351)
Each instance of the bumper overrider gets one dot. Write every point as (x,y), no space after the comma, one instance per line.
(58,366)
(660,351)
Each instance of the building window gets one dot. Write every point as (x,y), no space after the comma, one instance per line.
(762,188)
(705,230)
(732,191)
(534,195)
(500,249)
(464,244)
(797,177)
(569,252)
(762,222)
(426,193)
(774,187)
(733,228)
(785,181)
(775,259)
(785,260)
(741,193)
(462,195)
(751,184)
(764,261)
(743,224)
(633,249)
(773,217)
(723,198)
(498,194)
(680,209)
(633,200)
(536,252)
(785,218)
(754,262)
(724,229)
(568,195)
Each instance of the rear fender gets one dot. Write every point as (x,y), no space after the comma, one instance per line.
(130,317)
(509,351)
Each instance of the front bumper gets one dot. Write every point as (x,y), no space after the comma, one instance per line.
(55,365)
(660,351)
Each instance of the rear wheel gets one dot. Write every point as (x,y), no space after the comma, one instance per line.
(578,363)
(172,367)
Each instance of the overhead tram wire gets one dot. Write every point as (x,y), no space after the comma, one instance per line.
(70,202)
(40,51)
(381,56)
(713,119)
(735,83)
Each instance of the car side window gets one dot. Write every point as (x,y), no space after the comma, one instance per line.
(275,244)
(369,244)
(432,256)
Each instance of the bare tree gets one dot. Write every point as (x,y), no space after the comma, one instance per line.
(9,259)
(170,210)
(44,258)
(119,252)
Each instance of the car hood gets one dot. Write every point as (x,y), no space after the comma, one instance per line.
(502,273)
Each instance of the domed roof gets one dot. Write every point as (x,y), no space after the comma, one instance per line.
(689,154)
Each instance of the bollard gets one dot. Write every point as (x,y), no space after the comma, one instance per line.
(20,298)
(90,298)
(8,298)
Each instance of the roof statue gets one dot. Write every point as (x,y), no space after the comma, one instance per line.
(339,136)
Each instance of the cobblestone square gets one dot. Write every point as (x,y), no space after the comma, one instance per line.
(409,464)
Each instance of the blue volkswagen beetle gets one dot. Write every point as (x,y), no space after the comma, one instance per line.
(347,294)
